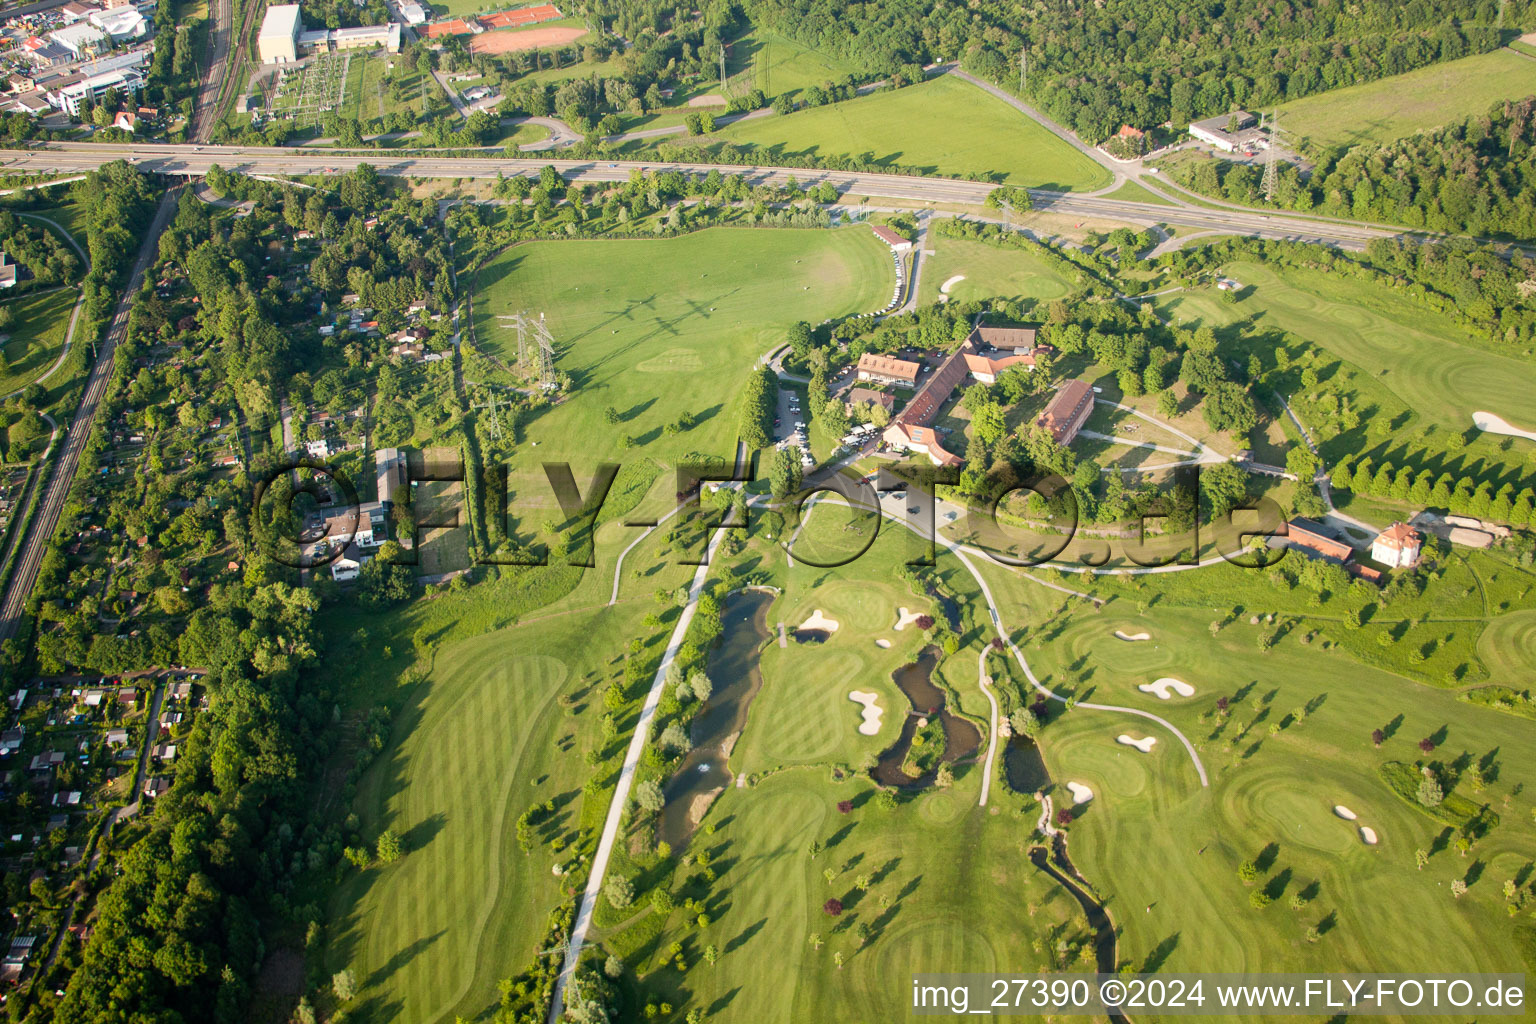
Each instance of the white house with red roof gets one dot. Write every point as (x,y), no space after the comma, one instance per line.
(1397,546)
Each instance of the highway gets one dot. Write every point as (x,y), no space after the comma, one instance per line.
(194,160)
(40,529)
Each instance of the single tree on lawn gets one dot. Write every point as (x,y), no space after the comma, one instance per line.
(833,906)
(844,806)
(1378,737)
(1427,745)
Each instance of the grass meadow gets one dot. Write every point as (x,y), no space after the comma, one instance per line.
(989,271)
(36,335)
(1391,108)
(944,126)
(1407,372)
(659,328)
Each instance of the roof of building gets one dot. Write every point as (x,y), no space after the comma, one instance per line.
(1004,337)
(281,22)
(1307,534)
(888,236)
(930,398)
(888,366)
(81,33)
(1399,536)
(924,437)
(361,32)
(995,363)
(1066,406)
(857,396)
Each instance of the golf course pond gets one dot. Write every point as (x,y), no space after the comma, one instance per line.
(961,738)
(737,678)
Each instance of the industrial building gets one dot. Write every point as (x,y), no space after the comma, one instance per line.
(278,40)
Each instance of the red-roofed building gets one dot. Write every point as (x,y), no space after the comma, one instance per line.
(920,439)
(1068,411)
(891,238)
(1302,533)
(1397,546)
(888,370)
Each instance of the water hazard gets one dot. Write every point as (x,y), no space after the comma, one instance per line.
(733,668)
(961,738)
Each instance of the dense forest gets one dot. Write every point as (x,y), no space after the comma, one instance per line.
(1096,66)
(1478,176)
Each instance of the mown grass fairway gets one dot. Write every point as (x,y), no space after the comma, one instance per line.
(1412,368)
(659,328)
(1391,108)
(944,126)
(989,271)
(36,336)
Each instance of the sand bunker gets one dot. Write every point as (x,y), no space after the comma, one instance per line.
(820,621)
(1081,794)
(907,618)
(947,285)
(1132,636)
(882,643)
(711,100)
(1493,424)
(1163,685)
(1367,835)
(1344,812)
(1144,745)
(872,711)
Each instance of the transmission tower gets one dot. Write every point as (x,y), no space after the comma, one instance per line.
(495,417)
(535,346)
(722,70)
(1023,69)
(1272,158)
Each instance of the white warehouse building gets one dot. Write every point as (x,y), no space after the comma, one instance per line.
(278,40)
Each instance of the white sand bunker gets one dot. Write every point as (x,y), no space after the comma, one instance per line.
(1493,424)
(1132,637)
(1144,745)
(1368,835)
(820,621)
(947,285)
(1081,794)
(1163,685)
(907,618)
(1344,812)
(882,642)
(872,711)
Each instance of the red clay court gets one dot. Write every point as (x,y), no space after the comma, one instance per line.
(521,16)
(456,27)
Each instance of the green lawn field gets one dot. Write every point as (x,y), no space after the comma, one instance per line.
(1390,357)
(1134,193)
(990,271)
(1391,108)
(36,336)
(659,328)
(764,59)
(944,126)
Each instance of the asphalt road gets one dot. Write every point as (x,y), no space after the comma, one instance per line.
(193,160)
(41,528)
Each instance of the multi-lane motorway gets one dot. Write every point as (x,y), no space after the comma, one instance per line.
(193,160)
(41,528)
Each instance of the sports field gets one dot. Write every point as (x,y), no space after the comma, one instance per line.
(989,271)
(1394,107)
(35,337)
(658,328)
(1400,362)
(944,126)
